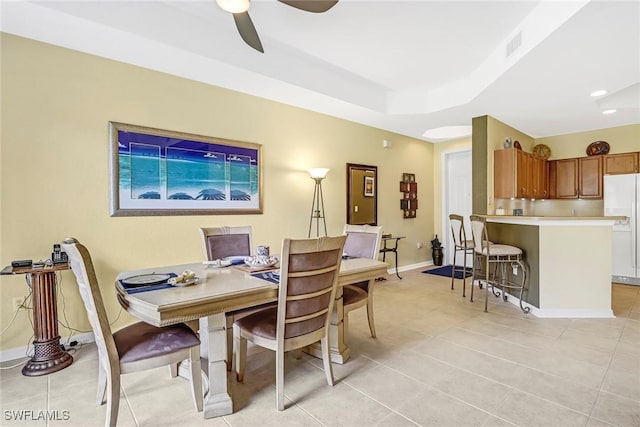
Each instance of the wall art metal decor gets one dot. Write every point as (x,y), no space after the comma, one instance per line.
(160,172)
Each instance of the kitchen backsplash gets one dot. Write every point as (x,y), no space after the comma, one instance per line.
(551,207)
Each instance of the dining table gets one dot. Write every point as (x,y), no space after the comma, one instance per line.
(222,289)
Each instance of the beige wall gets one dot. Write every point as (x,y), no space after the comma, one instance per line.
(54,175)
(622,139)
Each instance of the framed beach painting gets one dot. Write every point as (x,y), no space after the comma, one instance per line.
(160,172)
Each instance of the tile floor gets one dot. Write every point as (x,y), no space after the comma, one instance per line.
(438,360)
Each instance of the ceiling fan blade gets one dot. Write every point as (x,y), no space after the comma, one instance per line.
(247,30)
(315,6)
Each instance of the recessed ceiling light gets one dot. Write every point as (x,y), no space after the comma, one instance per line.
(598,93)
(609,111)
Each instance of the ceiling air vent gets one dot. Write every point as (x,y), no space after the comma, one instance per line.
(514,44)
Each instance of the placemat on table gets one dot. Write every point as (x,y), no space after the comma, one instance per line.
(270,276)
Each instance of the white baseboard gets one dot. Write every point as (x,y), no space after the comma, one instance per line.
(21,352)
(410,267)
(560,312)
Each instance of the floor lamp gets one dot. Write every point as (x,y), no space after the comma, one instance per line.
(317,205)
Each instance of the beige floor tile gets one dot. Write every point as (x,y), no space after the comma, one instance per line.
(579,338)
(341,405)
(563,392)
(474,390)
(623,377)
(526,410)
(80,402)
(395,420)
(257,407)
(24,411)
(617,410)
(392,392)
(19,387)
(497,422)
(422,368)
(431,408)
(593,422)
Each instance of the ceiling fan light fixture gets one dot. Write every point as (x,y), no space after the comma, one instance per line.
(233,6)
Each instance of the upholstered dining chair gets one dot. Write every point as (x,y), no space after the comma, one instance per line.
(222,242)
(134,348)
(363,241)
(460,244)
(503,259)
(308,279)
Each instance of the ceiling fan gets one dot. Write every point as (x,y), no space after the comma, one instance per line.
(248,32)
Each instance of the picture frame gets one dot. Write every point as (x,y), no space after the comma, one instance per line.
(408,177)
(156,172)
(369,186)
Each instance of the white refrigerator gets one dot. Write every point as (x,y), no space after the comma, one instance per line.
(622,198)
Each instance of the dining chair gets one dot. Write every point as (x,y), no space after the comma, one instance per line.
(503,259)
(363,241)
(222,242)
(308,280)
(134,348)
(225,241)
(460,244)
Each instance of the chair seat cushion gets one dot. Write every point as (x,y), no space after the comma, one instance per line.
(263,323)
(352,295)
(143,341)
(502,250)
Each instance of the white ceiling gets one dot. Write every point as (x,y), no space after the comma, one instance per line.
(403,66)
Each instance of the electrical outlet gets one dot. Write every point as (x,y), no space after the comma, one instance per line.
(420,245)
(17,303)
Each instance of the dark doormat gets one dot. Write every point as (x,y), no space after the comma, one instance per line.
(446,271)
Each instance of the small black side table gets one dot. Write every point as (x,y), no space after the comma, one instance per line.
(393,249)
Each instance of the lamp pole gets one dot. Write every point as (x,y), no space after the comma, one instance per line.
(317,203)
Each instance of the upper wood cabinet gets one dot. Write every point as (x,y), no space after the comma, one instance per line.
(615,164)
(577,178)
(517,174)
(590,177)
(566,178)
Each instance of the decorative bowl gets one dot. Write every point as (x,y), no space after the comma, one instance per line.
(542,150)
(260,262)
(597,148)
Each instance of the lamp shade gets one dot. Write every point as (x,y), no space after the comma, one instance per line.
(233,6)
(318,173)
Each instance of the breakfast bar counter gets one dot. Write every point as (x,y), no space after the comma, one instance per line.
(569,262)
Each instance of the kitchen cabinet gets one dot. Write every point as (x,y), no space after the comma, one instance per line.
(566,178)
(539,176)
(577,178)
(623,163)
(590,177)
(517,174)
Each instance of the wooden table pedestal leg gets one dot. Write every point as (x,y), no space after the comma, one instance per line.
(48,356)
